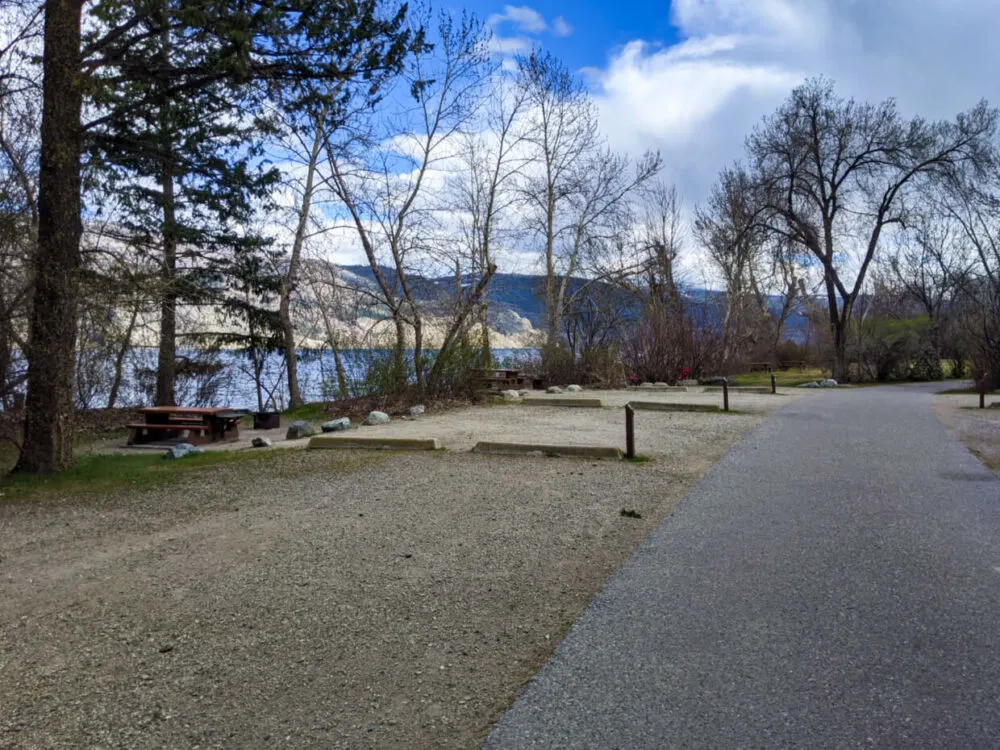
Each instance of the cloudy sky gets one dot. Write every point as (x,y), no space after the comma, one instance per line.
(691,77)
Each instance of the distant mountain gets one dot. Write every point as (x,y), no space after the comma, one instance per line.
(524,295)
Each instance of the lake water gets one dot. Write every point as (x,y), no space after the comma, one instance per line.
(233,383)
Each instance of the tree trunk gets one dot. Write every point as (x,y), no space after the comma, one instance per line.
(166,370)
(338,363)
(48,425)
(399,354)
(116,384)
(294,262)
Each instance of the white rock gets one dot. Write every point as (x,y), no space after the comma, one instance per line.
(511,396)
(554,389)
(336,425)
(829,384)
(377,417)
(574,388)
(416,411)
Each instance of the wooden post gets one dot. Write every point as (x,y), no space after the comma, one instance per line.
(774,385)
(629,431)
(725,394)
(982,390)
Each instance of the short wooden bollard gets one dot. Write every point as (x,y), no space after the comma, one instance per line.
(725,394)
(629,431)
(982,391)
(774,385)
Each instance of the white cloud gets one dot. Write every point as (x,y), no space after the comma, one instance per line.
(561,27)
(509,45)
(737,60)
(524,19)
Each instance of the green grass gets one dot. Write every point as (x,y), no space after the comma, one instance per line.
(785,378)
(102,474)
(639,459)
(308,412)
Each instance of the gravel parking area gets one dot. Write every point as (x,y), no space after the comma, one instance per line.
(328,599)
(978,428)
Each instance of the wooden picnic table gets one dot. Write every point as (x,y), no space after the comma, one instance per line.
(202,424)
(501,379)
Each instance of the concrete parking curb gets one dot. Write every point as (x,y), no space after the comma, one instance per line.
(527,449)
(374,443)
(663,406)
(583,403)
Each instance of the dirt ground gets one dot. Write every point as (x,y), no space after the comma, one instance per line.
(978,428)
(329,599)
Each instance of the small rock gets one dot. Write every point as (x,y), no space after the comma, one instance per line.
(524,392)
(166,649)
(300,429)
(813,384)
(645,385)
(260,442)
(511,396)
(416,411)
(377,417)
(574,389)
(336,425)
(829,384)
(554,389)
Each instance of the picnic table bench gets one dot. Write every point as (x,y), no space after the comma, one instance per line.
(202,425)
(760,367)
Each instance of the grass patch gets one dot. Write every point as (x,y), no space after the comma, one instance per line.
(315,412)
(639,459)
(102,474)
(959,392)
(785,378)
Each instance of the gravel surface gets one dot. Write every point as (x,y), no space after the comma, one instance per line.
(831,583)
(978,428)
(325,599)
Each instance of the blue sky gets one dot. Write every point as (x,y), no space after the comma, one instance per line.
(692,77)
(598,26)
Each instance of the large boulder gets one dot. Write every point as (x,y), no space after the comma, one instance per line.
(336,425)
(182,450)
(554,389)
(416,411)
(574,389)
(376,417)
(299,430)
(511,396)
(829,384)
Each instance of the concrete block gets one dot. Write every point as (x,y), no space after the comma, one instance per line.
(580,403)
(527,449)
(665,406)
(334,442)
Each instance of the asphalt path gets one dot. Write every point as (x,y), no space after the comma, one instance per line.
(833,582)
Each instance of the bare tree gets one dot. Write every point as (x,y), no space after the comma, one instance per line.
(728,227)
(491,160)
(835,174)
(385,179)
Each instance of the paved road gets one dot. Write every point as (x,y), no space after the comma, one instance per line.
(833,582)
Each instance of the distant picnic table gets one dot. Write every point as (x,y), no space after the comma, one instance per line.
(503,379)
(202,425)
